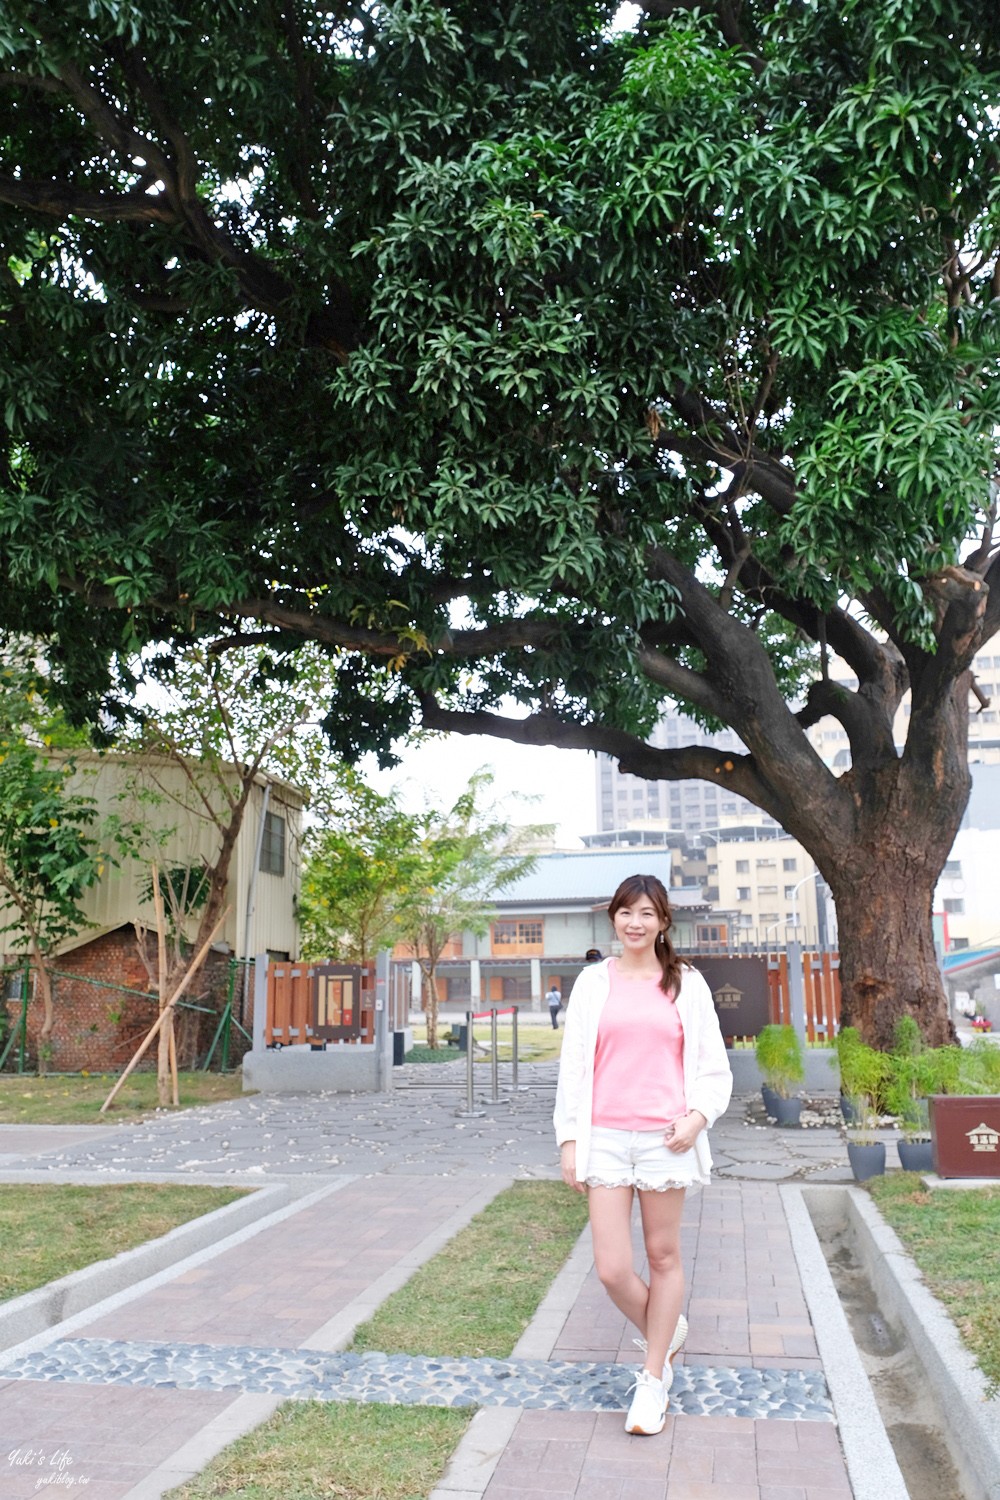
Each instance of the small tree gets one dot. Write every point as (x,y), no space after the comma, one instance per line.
(48,852)
(359,869)
(220,721)
(467,855)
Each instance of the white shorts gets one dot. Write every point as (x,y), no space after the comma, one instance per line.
(640,1159)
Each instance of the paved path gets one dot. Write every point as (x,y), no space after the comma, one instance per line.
(138,1394)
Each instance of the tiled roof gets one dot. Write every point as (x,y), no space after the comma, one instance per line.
(592,877)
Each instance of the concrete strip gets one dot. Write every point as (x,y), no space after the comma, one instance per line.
(542,1334)
(245,1413)
(104,1288)
(954,1377)
(871,1462)
(473,1462)
(338,1330)
(17,1141)
(102,1177)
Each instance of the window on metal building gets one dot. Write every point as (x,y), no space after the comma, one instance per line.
(272,847)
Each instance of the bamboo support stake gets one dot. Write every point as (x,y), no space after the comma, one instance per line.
(153,1031)
(166,1048)
(175,1091)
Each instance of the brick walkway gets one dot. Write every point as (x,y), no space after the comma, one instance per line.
(745,1307)
(303,1283)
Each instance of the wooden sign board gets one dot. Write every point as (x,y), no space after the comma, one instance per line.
(965,1134)
(740,990)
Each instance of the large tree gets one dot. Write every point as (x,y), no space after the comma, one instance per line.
(511,358)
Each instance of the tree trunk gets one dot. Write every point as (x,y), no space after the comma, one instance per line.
(431,1005)
(883,883)
(48,1012)
(888,966)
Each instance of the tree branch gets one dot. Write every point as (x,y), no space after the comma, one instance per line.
(708,438)
(681,681)
(58,200)
(635,757)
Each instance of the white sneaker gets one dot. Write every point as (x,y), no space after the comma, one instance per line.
(675,1347)
(648,1411)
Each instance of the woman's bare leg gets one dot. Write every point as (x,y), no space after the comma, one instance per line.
(611,1228)
(661,1232)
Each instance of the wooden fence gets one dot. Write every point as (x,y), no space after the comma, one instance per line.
(821,983)
(311,1004)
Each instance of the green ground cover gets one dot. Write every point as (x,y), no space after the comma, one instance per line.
(536,1042)
(346,1451)
(502,1264)
(479,1294)
(953,1237)
(76,1098)
(48,1229)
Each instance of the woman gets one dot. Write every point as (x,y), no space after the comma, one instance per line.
(643,1074)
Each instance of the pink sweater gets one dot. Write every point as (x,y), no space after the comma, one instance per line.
(639,1062)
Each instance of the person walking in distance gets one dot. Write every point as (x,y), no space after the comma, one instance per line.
(554,1000)
(643,1074)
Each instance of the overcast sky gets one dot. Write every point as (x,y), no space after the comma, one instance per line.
(563,780)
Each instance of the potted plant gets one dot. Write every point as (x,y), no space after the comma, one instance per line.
(864,1075)
(845,1042)
(913,1076)
(779,1057)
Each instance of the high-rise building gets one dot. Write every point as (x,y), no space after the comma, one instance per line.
(624,801)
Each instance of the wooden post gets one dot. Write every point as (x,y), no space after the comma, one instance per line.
(154,1030)
(166,1050)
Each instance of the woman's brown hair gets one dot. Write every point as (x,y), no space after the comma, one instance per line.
(654,890)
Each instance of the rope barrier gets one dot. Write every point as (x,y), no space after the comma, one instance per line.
(471,1017)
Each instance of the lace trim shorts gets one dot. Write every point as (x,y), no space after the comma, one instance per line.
(640,1159)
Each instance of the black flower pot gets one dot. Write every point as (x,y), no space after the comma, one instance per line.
(866,1160)
(915,1156)
(786,1111)
(770,1099)
(847,1110)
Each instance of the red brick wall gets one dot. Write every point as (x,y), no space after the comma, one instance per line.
(97,1029)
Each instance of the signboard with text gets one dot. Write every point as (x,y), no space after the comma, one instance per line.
(965,1134)
(740,990)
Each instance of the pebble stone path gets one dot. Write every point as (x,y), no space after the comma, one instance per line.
(399,1379)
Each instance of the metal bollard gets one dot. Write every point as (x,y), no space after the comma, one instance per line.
(513,1055)
(494,1061)
(469,1045)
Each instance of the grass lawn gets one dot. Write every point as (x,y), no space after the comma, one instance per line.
(76,1099)
(48,1230)
(477,1296)
(536,1042)
(953,1237)
(502,1264)
(344,1450)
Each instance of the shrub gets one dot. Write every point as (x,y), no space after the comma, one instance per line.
(779,1057)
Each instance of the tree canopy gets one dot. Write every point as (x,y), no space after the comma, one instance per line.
(507,356)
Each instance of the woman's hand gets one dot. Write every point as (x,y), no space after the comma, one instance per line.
(567,1158)
(682,1134)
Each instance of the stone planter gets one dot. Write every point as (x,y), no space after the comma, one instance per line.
(866,1159)
(915,1156)
(770,1098)
(787,1111)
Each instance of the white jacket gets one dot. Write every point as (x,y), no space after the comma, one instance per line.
(708,1078)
